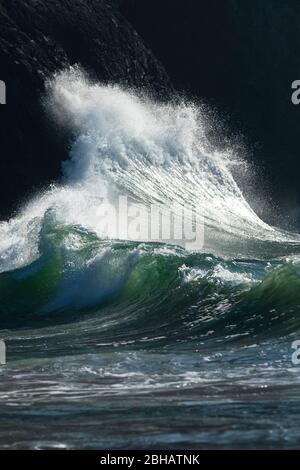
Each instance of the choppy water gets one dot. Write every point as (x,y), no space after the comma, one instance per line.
(135,344)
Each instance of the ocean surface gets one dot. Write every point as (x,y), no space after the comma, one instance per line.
(123,343)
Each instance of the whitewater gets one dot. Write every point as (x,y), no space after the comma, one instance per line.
(112,332)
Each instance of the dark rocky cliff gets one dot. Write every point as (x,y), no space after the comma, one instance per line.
(37,38)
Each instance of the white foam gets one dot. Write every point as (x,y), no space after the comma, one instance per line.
(125,144)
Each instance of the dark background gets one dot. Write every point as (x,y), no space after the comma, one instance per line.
(239,56)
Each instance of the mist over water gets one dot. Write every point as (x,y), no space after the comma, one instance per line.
(112,331)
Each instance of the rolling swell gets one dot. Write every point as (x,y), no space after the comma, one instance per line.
(148,295)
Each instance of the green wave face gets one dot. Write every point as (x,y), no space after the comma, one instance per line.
(146,288)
